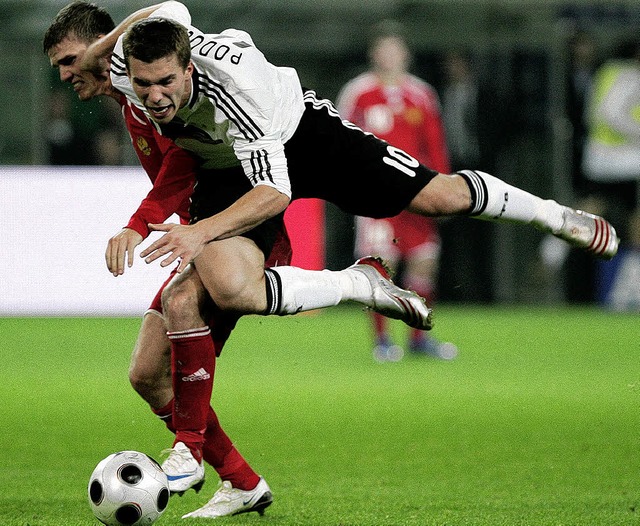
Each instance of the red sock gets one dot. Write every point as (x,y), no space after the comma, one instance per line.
(236,470)
(193,362)
(379,325)
(219,451)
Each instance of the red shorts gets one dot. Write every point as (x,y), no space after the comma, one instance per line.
(397,238)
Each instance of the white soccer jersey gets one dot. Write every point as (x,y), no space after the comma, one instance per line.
(242,107)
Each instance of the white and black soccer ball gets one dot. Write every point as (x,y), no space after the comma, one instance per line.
(128,488)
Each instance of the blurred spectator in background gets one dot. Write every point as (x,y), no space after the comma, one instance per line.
(405,111)
(460,111)
(579,272)
(619,286)
(88,134)
(64,144)
(606,153)
(465,244)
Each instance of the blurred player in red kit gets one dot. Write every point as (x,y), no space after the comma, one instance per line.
(403,110)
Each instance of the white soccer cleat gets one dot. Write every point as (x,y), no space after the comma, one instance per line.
(231,501)
(590,232)
(389,299)
(182,470)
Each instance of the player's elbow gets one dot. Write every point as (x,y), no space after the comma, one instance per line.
(281,202)
(272,201)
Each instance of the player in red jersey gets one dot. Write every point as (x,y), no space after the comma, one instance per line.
(172,172)
(403,110)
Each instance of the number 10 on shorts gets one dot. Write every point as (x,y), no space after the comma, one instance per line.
(401,160)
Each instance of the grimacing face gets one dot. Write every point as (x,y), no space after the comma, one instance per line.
(163,86)
(66,57)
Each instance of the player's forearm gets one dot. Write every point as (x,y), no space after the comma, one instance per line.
(103,47)
(252,209)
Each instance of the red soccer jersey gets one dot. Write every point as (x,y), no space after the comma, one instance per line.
(406,116)
(170,168)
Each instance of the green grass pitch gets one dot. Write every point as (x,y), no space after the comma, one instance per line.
(537,421)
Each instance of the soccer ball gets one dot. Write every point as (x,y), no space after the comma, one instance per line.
(128,488)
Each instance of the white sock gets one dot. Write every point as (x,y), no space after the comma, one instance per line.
(495,200)
(292,289)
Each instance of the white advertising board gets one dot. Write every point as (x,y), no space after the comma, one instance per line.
(54,226)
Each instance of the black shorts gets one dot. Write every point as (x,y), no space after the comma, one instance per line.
(334,160)
(329,159)
(216,190)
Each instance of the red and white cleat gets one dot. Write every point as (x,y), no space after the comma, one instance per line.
(389,299)
(590,232)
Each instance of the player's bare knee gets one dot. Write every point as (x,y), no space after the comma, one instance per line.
(179,301)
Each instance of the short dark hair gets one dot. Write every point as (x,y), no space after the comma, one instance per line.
(385,29)
(81,19)
(153,38)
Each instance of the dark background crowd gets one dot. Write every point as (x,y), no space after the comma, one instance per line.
(514,79)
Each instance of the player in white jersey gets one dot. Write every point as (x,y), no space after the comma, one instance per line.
(366,282)
(220,95)
(216,95)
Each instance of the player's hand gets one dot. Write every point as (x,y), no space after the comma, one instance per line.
(121,247)
(182,242)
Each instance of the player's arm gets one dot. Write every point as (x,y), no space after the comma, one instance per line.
(249,211)
(185,242)
(172,187)
(172,172)
(169,195)
(98,52)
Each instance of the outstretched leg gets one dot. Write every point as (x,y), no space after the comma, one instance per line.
(233,274)
(484,196)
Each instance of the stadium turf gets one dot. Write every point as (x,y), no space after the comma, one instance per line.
(537,421)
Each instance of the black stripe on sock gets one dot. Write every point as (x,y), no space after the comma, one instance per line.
(274,291)
(478,189)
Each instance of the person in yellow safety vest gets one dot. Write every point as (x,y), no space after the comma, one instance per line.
(611,159)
